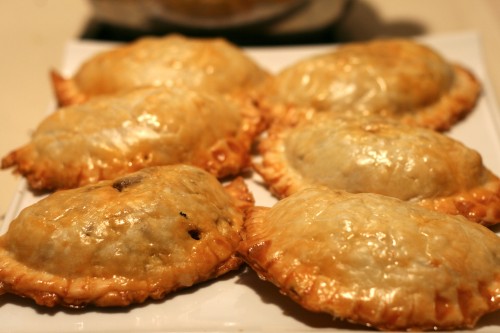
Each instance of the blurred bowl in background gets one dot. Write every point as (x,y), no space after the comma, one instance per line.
(274,17)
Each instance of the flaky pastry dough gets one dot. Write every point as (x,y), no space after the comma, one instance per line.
(375,260)
(114,135)
(390,77)
(119,242)
(373,154)
(174,60)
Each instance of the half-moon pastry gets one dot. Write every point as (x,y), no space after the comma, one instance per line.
(174,60)
(375,260)
(378,155)
(113,135)
(122,241)
(393,77)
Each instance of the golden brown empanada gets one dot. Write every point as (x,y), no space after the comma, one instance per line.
(120,242)
(114,135)
(174,60)
(372,154)
(395,78)
(375,260)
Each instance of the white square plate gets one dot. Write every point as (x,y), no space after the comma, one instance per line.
(240,302)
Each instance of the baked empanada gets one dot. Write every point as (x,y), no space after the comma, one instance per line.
(174,60)
(120,242)
(394,78)
(375,260)
(378,155)
(110,136)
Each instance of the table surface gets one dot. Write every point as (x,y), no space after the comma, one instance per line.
(34,33)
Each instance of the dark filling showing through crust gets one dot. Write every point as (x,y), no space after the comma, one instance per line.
(194,234)
(123,183)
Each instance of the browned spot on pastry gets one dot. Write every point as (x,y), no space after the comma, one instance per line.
(259,249)
(123,183)
(238,190)
(442,307)
(65,90)
(465,302)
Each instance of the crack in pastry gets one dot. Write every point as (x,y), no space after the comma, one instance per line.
(373,154)
(113,135)
(211,64)
(390,77)
(96,245)
(375,260)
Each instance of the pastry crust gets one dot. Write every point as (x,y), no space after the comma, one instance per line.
(372,154)
(174,60)
(114,135)
(394,78)
(375,260)
(119,242)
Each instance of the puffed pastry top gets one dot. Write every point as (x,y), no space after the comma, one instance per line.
(113,135)
(397,78)
(380,155)
(212,64)
(122,241)
(375,260)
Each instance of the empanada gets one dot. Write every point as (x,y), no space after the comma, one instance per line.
(120,242)
(174,60)
(394,78)
(375,260)
(113,135)
(373,154)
